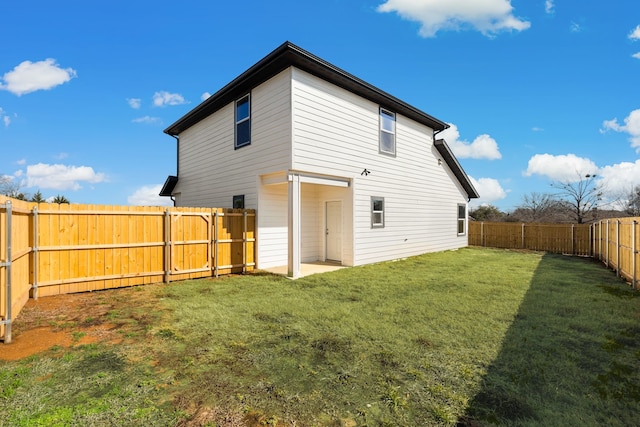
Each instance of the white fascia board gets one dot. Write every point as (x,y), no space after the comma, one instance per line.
(333,181)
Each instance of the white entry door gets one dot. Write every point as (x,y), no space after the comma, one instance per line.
(333,221)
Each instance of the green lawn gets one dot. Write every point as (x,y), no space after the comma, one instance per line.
(474,336)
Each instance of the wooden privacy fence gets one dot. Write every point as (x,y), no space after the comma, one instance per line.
(615,241)
(574,239)
(48,249)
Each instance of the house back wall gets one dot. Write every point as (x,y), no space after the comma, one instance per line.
(336,132)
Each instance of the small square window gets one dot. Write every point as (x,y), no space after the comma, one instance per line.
(462,219)
(377,212)
(238,202)
(243,122)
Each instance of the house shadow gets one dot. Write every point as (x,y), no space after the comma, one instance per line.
(568,357)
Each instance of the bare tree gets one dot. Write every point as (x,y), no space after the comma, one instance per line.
(580,197)
(538,207)
(10,188)
(633,202)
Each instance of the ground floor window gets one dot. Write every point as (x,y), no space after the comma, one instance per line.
(238,202)
(377,212)
(462,219)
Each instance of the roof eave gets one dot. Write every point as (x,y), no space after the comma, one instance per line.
(456,168)
(169,186)
(287,55)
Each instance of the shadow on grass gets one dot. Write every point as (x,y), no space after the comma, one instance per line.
(570,356)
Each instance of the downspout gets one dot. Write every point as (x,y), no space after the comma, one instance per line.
(177,137)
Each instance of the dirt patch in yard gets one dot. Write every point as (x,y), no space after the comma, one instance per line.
(77,319)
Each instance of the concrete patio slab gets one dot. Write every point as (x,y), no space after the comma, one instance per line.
(308,268)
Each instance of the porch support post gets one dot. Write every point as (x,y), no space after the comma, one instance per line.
(293,268)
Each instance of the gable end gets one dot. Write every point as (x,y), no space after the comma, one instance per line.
(290,55)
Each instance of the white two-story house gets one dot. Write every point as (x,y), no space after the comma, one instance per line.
(337,169)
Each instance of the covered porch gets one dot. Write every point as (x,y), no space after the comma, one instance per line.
(305,223)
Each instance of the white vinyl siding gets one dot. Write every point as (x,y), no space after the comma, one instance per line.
(272,226)
(336,132)
(303,124)
(212,171)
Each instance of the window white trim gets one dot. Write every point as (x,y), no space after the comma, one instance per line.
(462,219)
(387,143)
(377,212)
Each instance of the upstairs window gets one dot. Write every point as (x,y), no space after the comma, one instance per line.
(462,219)
(243,121)
(387,132)
(377,212)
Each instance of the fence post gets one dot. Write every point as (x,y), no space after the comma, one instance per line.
(167,243)
(606,248)
(7,265)
(36,257)
(482,233)
(523,235)
(618,248)
(215,244)
(244,241)
(573,251)
(600,241)
(633,253)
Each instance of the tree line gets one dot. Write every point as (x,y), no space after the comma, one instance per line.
(578,201)
(12,189)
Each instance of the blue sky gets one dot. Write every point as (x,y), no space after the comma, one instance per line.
(535,90)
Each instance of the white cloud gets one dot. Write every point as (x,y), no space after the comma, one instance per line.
(636,55)
(33,76)
(489,189)
(487,16)
(147,120)
(163,98)
(205,96)
(563,168)
(483,147)
(148,195)
(61,156)
(575,27)
(537,129)
(5,118)
(134,103)
(61,177)
(549,7)
(22,162)
(631,126)
(620,178)
(635,34)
